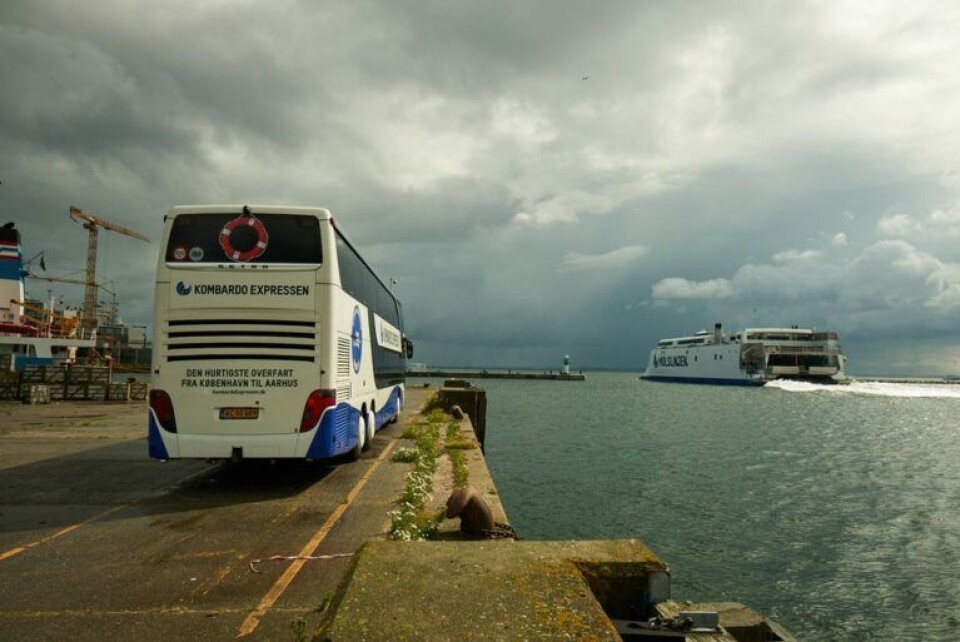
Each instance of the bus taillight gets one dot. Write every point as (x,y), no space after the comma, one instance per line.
(162,407)
(317,402)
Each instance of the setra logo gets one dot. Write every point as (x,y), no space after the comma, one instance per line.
(183,289)
(356,339)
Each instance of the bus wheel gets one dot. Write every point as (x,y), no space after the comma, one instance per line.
(371,428)
(396,415)
(354,454)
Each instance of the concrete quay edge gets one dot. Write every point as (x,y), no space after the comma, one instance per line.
(453,588)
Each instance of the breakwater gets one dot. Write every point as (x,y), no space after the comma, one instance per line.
(502,589)
(495,374)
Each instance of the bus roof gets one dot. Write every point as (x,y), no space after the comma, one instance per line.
(319,212)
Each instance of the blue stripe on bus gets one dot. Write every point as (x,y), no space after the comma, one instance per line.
(157,449)
(389,409)
(336,435)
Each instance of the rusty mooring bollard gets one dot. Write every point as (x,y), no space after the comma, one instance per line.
(476,518)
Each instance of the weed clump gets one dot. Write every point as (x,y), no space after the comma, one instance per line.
(410,521)
(461,475)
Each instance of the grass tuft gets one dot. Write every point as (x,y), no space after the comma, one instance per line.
(410,521)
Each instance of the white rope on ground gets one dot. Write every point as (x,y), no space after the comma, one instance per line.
(285,558)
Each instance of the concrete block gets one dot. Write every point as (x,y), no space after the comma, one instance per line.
(37,394)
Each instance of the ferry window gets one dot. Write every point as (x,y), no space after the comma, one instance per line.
(196,238)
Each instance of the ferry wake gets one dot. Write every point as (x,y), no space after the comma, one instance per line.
(753,356)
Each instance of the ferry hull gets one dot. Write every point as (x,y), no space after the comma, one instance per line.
(752,357)
(708,381)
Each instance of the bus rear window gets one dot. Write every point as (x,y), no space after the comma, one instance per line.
(258,238)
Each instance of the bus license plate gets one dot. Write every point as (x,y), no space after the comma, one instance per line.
(239,413)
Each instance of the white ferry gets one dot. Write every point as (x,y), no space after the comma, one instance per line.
(753,356)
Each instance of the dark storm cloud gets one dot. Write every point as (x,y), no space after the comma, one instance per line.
(542,177)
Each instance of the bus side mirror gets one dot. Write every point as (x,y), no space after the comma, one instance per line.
(408,348)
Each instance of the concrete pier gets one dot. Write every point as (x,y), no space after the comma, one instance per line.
(459,588)
(99,542)
(495,374)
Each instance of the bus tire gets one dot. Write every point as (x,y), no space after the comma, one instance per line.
(396,413)
(358,448)
(371,429)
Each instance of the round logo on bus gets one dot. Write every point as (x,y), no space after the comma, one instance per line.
(356,339)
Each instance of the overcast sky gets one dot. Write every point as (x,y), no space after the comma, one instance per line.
(543,178)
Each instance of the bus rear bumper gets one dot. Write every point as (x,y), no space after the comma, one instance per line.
(181,446)
(163,444)
(335,435)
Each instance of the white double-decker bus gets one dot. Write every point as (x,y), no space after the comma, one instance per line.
(273,338)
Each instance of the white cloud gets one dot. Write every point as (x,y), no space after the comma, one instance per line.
(567,207)
(940,224)
(416,139)
(949,218)
(880,289)
(679,288)
(897,225)
(520,122)
(944,281)
(614,260)
(795,255)
(461,135)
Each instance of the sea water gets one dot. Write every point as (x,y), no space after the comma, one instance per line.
(834,510)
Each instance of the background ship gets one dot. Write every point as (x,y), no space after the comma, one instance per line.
(752,356)
(48,351)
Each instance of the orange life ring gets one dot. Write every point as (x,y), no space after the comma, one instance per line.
(256,250)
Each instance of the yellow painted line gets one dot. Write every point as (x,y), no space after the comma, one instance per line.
(219,575)
(253,620)
(163,610)
(68,529)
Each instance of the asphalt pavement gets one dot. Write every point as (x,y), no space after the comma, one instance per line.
(97,541)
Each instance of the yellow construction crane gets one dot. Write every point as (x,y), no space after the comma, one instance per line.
(94,224)
(62,279)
